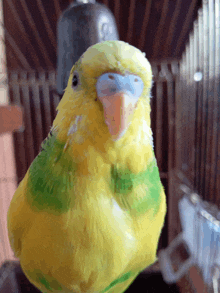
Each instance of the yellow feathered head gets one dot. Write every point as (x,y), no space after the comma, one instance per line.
(108,87)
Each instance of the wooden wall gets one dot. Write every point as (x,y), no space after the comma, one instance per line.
(8,182)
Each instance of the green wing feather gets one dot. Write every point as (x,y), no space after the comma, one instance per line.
(51,177)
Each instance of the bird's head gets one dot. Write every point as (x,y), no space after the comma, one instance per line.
(104,90)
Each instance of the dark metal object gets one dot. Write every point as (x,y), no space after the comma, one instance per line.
(13,280)
(82,24)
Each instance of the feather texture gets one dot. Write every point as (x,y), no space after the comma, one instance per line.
(89,212)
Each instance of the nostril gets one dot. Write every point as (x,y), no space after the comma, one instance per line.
(111,76)
(112,89)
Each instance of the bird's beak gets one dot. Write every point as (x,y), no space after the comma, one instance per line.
(118,111)
(119,95)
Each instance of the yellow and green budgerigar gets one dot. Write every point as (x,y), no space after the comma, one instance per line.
(89,212)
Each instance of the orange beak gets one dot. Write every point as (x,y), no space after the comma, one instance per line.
(119,95)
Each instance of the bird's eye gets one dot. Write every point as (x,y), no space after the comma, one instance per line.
(136,80)
(75,81)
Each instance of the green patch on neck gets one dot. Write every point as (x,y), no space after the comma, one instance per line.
(122,279)
(51,177)
(124,182)
(48,282)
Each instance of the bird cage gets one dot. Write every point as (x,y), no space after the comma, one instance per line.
(198,109)
(196,177)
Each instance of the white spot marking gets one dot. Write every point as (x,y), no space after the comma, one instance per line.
(74,127)
(148,133)
(119,215)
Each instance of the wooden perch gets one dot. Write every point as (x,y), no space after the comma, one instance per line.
(10,118)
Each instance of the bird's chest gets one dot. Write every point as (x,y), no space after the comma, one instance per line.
(116,223)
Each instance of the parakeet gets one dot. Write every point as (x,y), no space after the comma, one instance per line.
(89,212)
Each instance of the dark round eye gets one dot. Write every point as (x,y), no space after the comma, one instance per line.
(75,80)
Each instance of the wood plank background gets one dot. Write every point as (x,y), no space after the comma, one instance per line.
(8,178)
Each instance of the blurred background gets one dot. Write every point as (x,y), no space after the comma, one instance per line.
(181,39)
